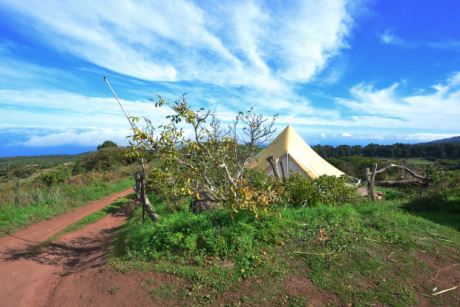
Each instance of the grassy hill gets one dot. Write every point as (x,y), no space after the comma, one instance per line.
(29,164)
(42,160)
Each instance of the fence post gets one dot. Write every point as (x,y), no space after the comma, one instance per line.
(368,178)
(142,184)
(374,169)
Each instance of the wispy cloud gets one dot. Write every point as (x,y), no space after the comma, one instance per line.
(16,73)
(229,43)
(66,110)
(438,109)
(389,38)
(91,137)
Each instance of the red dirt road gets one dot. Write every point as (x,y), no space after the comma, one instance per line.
(31,268)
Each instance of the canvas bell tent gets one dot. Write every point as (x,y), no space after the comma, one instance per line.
(292,154)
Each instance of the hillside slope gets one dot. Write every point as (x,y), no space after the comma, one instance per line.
(455,139)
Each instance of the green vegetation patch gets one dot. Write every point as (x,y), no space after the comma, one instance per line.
(213,236)
(22,167)
(363,253)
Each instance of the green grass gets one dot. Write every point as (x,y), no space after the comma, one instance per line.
(419,161)
(46,160)
(92,218)
(29,164)
(441,211)
(363,253)
(56,200)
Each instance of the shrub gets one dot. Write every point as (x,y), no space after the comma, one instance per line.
(20,171)
(171,189)
(78,168)
(444,185)
(107,144)
(261,181)
(218,234)
(56,175)
(105,159)
(329,190)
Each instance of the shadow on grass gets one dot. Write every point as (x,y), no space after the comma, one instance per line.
(437,209)
(120,206)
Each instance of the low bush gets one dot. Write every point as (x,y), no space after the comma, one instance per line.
(217,234)
(445,184)
(260,191)
(20,171)
(300,191)
(104,159)
(56,175)
(170,189)
(260,181)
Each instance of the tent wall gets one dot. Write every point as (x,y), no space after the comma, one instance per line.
(290,167)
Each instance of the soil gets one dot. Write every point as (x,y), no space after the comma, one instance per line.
(302,286)
(32,269)
(440,271)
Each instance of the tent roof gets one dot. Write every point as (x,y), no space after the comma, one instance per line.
(291,143)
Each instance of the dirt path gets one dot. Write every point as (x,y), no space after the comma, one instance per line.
(31,268)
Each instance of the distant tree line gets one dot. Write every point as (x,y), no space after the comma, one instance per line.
(398,150)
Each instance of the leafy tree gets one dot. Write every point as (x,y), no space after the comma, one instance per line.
(196,150)
(107,144)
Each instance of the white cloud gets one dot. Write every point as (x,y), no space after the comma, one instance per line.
(66,110)
(16,73)
(388,38)
(347,135)
(91,137)
(427,137)
(438,110)
(226,43)
(449,45)
(454,79)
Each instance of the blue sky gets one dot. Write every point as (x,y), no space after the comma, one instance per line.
(341,72)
